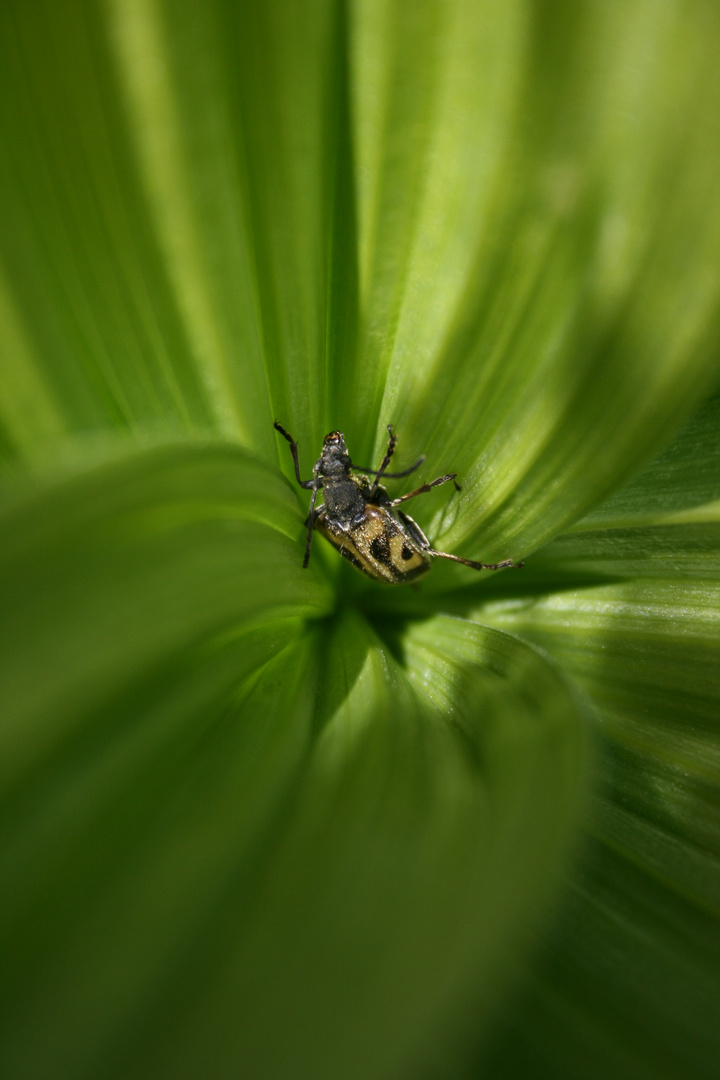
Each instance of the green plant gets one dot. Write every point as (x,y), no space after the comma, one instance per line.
(266,822)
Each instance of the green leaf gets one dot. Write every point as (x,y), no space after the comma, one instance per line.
(231,832)
(337,849)
(631,976)
(120,848)
(239,115)
(539,241)
(86,296)
(689,550)
(488,224)
(680,486)
(666,522)
(170,187)
(110,574)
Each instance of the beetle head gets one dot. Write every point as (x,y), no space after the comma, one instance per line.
(334,460)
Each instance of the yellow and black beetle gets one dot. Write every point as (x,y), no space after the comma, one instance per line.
(359,517)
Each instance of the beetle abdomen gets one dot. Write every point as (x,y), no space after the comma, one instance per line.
(376,544)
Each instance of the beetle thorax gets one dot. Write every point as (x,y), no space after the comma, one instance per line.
(343,497)
(342,492)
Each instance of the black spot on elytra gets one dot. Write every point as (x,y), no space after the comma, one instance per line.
(407,553)
(380,549)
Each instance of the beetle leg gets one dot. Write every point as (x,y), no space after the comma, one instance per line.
(418,537)
(507,564)
(427,487)
(312,515)
(379,473)
(307,484)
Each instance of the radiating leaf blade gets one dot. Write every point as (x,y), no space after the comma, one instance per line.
(539,249)
(110,573)
(633,966)
(228,862)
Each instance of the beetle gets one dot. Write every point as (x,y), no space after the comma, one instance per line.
(360,519)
